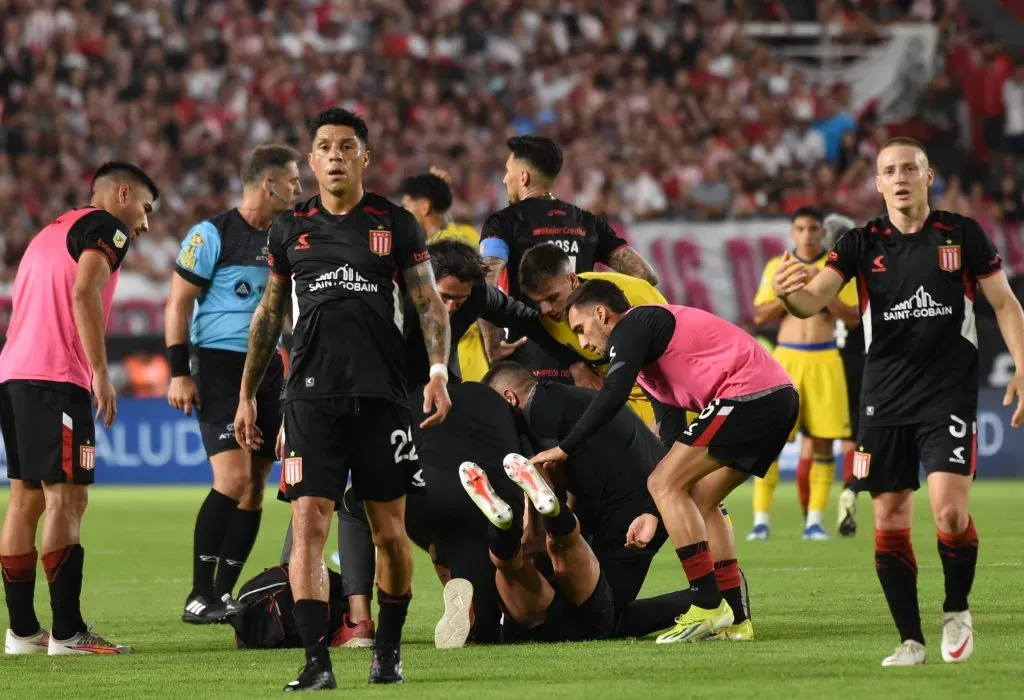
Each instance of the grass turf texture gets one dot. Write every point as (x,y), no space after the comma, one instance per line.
(821,621)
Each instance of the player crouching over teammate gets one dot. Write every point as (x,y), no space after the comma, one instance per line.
(918,271)
(54,354)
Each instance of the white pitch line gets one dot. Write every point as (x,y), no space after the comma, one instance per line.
(805,569)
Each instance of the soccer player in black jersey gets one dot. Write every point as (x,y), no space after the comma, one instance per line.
(918,271)
(339,256)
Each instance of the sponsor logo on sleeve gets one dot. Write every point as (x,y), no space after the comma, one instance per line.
(188,258)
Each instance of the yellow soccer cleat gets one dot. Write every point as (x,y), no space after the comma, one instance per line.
(743,632)
(698,623)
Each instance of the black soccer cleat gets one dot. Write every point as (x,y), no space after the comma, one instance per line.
(232,606)
(314,676)
(204,610)
(386,666)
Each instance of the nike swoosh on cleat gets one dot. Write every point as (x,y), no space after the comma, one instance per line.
(957,653)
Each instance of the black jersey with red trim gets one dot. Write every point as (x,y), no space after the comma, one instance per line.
(347,294)
(917,294)
(585,237)
(101,231)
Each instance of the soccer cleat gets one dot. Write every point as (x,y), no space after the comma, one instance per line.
(743,632)
(957,637)
(204,610)
(816,532)
(359,635)
(478,487)
(910,653)
(526,476)
(37,643)
(698,623)
(83,643)
(760,532)
(452,630)
(386,666)
(847,520)
(313,676)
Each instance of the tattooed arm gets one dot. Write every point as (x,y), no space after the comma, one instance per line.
(264,332)
(419,279)
(629,262)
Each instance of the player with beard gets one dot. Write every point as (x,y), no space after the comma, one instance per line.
(918,272)
(342,255)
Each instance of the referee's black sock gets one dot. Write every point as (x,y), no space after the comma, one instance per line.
(896,567)
(393,609)
(19,573)
(212,524)
(312,617)
(238,544)
(64,573)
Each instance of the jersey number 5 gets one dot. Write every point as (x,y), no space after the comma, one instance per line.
(402,439)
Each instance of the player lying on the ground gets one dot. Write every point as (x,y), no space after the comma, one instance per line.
(608,478)
(221,273)
(806,349)
(578,601)
(920,271)
(54,355)
(686,358)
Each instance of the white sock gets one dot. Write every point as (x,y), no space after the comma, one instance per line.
(814,517)
(760,518)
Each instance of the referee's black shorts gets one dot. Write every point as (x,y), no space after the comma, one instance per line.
(218,376)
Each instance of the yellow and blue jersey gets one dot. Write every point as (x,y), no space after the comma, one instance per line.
(765,294)
(227,259)
(463,233)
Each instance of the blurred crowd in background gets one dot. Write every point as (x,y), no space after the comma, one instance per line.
(663,108)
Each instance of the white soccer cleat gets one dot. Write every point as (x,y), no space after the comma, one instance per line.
(452,630)
(846,520)
(38,643)
(957,637)
(85,643)
(910,653)
(526,476)
(478,487)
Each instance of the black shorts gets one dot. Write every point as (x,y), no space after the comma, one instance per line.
(853,364)
(49,433)
(889,458)
(218,376)
(596,618)
(326,440)
(746,433)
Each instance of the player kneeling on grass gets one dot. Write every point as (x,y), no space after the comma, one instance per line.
(54,354)
(685,357)
(919,271)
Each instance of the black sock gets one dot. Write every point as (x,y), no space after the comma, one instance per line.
(959,555)
(505,544)
(212,524)
(699,568)
(312,617)
(897,571)
(238,543)
(647,615)
(19,573)
(562,524)
(730,583)
(393,609)
(64,573)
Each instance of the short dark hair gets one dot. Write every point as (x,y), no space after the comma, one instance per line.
(120,168)
(812,212)
(508,371)
(338,116)
(456,259)
(599,292)
(431,188)
(539,152)
(540,263)
(904,141)
(267,157)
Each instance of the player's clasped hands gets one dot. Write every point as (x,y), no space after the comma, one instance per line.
(791,275)
(247,433)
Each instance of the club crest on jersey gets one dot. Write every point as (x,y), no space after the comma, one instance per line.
(380,242)
(87,457)
(292,468)
(949,258)
(861,464)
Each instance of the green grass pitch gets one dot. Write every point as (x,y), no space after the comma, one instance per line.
(821,622)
